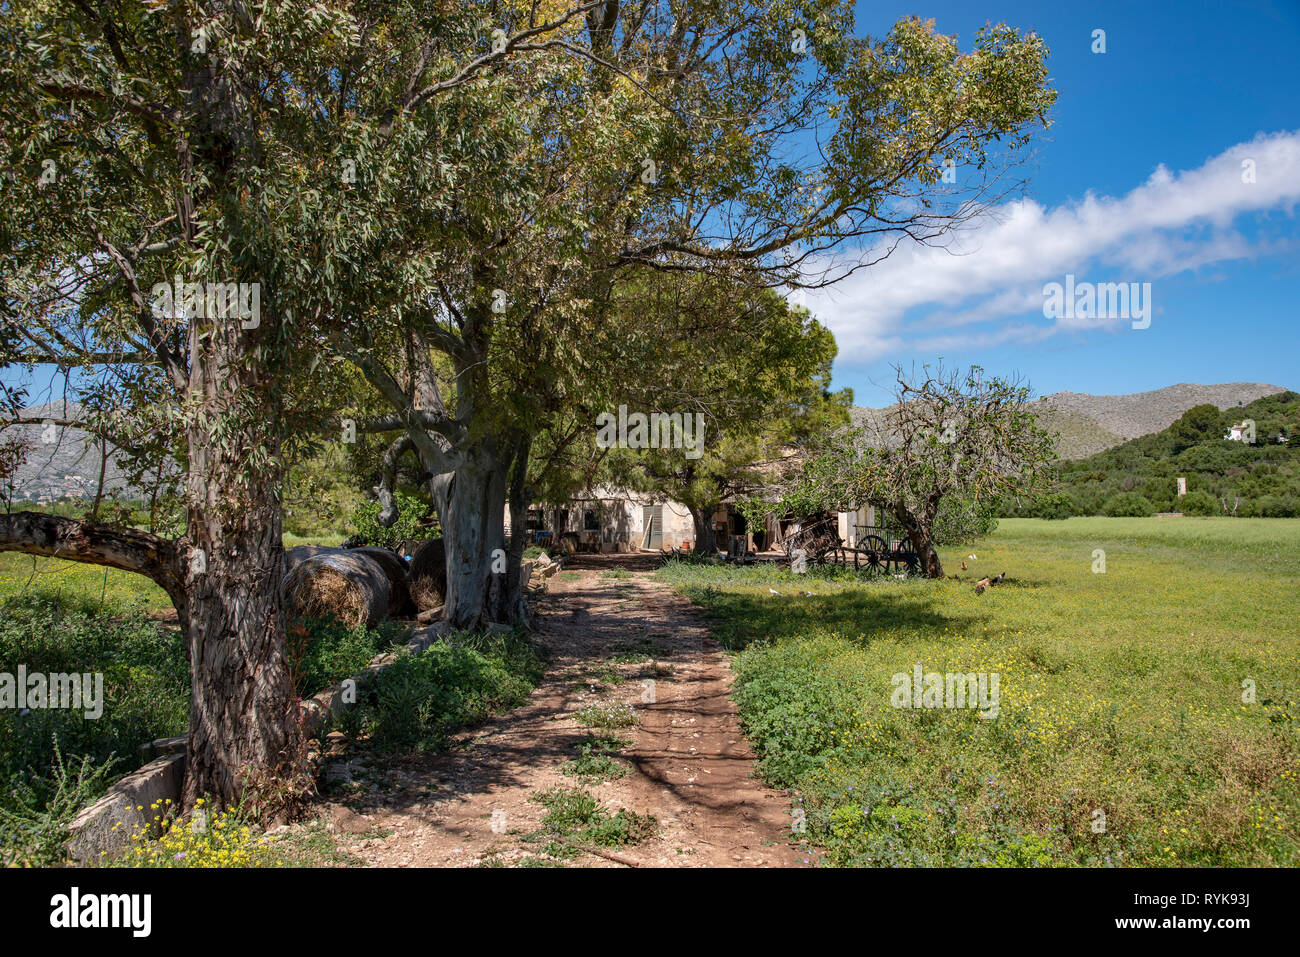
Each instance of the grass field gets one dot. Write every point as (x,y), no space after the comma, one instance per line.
(114,590)
(1121,737)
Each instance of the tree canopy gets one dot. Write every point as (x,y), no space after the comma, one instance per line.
(221,219)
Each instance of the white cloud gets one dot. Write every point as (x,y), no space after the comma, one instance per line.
(993,271)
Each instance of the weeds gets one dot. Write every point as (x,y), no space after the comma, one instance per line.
(612,715)
(595,761)
(418,701)
(574,818)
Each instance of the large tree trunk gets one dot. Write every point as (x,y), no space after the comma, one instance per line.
(243,721)
(702,519)
(513,606)
(241,729)
(472,528)
(242,739)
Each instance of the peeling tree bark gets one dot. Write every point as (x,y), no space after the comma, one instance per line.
(512,606)
(242,731)
(470,532)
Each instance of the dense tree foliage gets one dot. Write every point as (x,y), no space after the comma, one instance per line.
(759,387)
(221,219)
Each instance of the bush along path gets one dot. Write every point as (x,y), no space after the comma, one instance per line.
(627,753)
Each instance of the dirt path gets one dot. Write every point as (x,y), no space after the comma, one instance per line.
(613,639)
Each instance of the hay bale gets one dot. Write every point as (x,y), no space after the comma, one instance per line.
(428,575)
(400,604)
(300,553)
(344,585)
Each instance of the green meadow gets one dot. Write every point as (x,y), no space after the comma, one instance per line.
(1147,712)
(92,587)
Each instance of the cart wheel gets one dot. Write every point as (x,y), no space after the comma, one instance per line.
(875,553)
(906,560)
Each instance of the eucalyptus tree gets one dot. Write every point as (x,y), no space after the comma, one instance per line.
(763,143)
(183,218)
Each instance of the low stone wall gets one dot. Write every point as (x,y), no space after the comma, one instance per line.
(105,827)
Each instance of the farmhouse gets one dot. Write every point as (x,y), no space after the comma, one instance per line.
(615,520)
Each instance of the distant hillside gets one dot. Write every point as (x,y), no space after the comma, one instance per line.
(1088,424)
(1139,413)
(67,466)
(1077,435)
(1140,476)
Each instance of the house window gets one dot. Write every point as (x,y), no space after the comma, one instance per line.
(590,520)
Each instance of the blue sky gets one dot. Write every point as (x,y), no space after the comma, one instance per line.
(1138,179)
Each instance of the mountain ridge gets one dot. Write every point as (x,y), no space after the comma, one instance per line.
(1087,424)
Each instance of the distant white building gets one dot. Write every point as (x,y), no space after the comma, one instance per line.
(1241,433)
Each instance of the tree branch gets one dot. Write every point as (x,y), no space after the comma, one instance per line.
(53,536)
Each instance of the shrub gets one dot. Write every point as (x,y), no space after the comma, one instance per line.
(1054,505)
(420,700)
(34,831)
(409,526)
(1128,505)
(1277,506)
(325,652)
(1197,502)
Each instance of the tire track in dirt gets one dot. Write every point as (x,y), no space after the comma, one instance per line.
(692,768)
